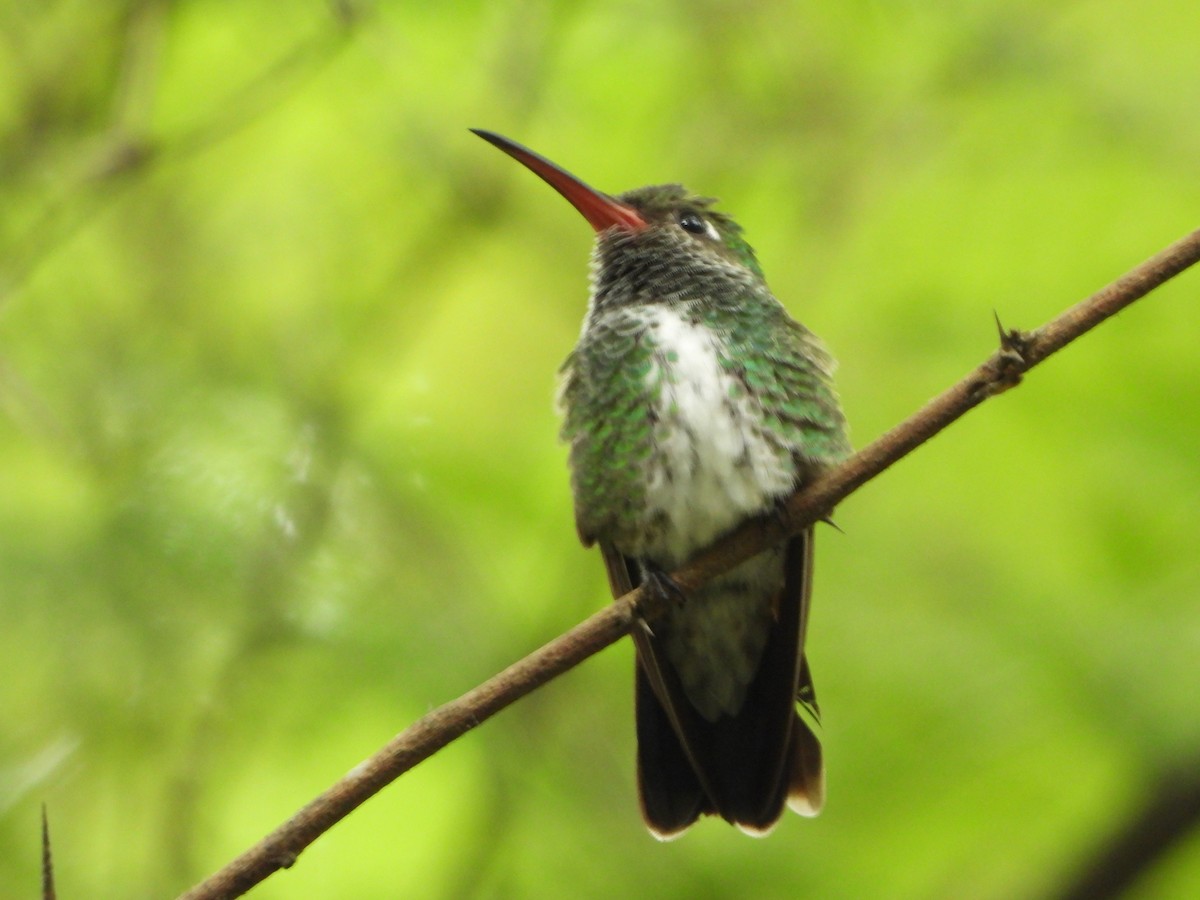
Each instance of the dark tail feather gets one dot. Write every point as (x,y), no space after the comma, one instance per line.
(671,795)
(806,789)
(745,768)
(749,793)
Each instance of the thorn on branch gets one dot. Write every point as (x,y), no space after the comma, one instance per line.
(828,520)
(1005,369)
(1014,344)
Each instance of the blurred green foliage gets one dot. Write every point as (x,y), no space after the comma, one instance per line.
(278,459)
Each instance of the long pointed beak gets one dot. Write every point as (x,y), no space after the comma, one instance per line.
(601,210)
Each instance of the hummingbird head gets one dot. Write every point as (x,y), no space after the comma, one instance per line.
(660,242)
(693,222)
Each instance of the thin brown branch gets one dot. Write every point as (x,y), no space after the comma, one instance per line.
(1169,815)
(1018,353)
(47,859)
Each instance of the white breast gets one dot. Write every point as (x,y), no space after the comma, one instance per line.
(712,466)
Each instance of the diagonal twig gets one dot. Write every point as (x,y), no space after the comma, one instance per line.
(47,859)
(1019,352)
(1169,812)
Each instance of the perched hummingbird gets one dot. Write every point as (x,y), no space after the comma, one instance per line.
(691,403)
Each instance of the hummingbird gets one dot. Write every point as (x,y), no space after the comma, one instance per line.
(691,403)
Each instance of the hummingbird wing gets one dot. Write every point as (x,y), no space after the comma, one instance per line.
(669,787)
(745,767)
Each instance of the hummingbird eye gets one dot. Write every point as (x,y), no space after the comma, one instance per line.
(693,222)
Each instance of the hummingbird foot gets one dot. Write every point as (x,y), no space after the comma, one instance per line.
(660,586)
(658,590)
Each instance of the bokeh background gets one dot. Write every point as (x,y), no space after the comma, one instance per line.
(278,457)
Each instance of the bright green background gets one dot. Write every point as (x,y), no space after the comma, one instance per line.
(278,457)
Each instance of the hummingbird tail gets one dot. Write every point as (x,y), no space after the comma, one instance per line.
(745,768)
(669,788)
(806,787)
(716,774)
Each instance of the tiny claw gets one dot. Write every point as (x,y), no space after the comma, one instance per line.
(659,584)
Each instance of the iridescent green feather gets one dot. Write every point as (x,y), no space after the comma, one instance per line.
(783,366)
(608,404)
